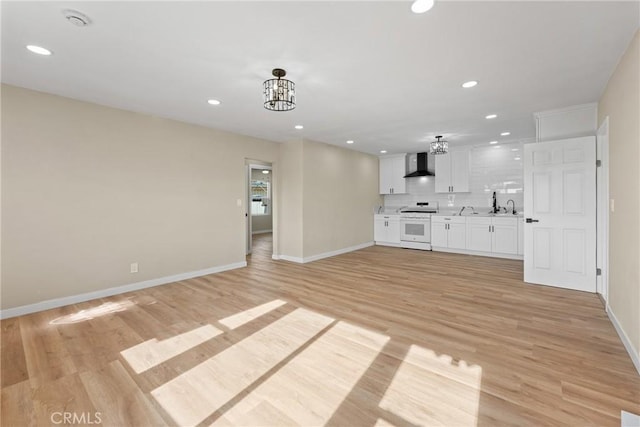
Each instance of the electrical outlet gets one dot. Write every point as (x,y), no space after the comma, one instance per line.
(134,267)
(612,205)
(239,203)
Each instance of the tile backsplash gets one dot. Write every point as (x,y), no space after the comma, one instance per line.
(496,168)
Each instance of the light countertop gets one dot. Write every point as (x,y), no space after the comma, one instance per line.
(480,214)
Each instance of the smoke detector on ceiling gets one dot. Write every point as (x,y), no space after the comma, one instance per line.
(76,18)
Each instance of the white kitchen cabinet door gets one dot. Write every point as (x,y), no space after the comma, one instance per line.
(452,172)
(460,171)
(457,236)
(386,174)
(560,207)
(438,234)
(520,236)
(379,230)
(393,230)
(443,173)
(392,172)
(504,236)
(479,234)
(386,229)
(448,232)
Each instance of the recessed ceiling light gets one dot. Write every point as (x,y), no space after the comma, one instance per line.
(299,127)
(39,50)
(497,146)
(493,142)
(505,134)
(516,158)
(383,151)
(78,19)
(350,141)
(491,116)
(514,149)
(213,102)
(421,6)
(266,172)
(470,83)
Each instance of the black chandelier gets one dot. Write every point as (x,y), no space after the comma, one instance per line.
(438,146)
(279,94)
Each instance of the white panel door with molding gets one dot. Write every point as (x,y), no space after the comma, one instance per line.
(560,213)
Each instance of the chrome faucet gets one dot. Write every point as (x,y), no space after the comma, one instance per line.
(464,207)
(513,206)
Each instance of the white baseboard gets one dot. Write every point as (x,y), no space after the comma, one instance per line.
(633,353)
(393,245)
(74,299)
(324,254)
(291,258)
(478,253)
(261,231)
(275,257)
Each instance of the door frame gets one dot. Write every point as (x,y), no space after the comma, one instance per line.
(602,211)
(249,166)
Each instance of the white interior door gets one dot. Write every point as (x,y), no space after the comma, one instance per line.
(560,213)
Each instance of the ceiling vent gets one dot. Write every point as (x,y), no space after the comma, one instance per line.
(76,18)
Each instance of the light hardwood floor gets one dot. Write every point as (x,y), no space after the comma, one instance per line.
(377,337)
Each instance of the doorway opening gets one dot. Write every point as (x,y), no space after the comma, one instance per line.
(259,210)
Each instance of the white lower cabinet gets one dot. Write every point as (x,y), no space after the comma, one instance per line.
(386,229)
(497,235)
(520,236)
(477,235)
(448,232)
(505,236)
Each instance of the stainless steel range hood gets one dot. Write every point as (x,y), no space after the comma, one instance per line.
(421,164)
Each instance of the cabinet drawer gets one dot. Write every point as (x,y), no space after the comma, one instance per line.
(387,217)
(505,221)
(448,219)
(482,220)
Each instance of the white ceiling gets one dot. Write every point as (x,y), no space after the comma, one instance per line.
(369,71)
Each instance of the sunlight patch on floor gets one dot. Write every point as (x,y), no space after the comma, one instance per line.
(431,389)
(247,316)
(92,313)
(311,387)
(197,393)
(151,353)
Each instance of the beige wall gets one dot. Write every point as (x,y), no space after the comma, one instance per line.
(340,194)
(87,190)
(621,103)
(326,199)
(288,180)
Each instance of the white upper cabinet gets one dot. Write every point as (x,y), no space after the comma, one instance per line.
(392,171)
(452,172)
(443,173)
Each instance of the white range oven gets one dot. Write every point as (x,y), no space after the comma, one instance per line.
(415,226)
